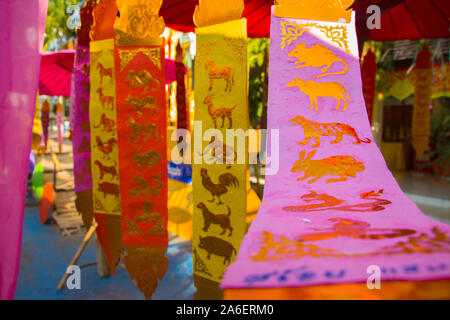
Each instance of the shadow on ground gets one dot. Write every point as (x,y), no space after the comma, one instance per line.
(46,254)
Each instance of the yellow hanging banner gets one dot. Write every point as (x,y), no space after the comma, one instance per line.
(102,113)
(219,178)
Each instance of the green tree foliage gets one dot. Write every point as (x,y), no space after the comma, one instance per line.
(57,32)
(258,49)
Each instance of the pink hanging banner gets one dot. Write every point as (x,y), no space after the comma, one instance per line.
(22,34)
(81,138)
(333,209)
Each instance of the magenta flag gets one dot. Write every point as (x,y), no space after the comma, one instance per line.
(21,35)
(333,213)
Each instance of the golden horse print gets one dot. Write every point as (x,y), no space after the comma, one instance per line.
(226,73)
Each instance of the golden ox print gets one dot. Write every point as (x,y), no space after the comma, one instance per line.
(321,89)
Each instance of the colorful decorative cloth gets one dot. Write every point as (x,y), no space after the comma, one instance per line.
(333,209)
(142,142)
(219,176)
(422,101)
(60,125)
(102,112)
(182,107)
(45,121)
(141,126)
(22,34)
(368,75)
(81,138)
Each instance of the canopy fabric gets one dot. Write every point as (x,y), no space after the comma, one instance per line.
(400,20)
(405,19)
(56,73)
(178,15)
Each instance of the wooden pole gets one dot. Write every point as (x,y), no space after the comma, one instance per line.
(77,255)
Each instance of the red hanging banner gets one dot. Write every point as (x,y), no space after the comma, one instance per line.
(141,127)
(182,108)
(368,73)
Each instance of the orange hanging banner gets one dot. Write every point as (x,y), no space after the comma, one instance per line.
(422,101)
(141,128)
(141,125)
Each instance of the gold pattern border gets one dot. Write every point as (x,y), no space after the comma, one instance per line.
(126,55)
(290,31)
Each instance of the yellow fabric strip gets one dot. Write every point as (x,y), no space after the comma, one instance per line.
(102,112)
(220,196)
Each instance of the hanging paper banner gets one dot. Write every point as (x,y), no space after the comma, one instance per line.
(368,74)
(141,127)
(45,121)
(333,209)
(37,127)
(221,103)
(104,150)
(422,101)
(22,35)
(81,138)
(60,124)
(401,84)
(182,108)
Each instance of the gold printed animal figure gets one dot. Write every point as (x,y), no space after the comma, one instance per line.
(104,72)
(85,146)
(219,150)
(315,130)
(85,126)
(107,147)
(105,100)
(104,170)
(84,105)
(218,112)
(86,85)
(223,220)
(343,166)
(142,187)
(145,160)
(226,73)
(147,215)
(138,129)
(217,246)
(87,167)
(316,56)
(106,124)
(108,188)
(226,180)
(142,78)
(321,89)
(85,69)
(355,229)
(142,103)
(324,202)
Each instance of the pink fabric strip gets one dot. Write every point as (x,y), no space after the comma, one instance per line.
(348,213)
(81,138)
(21,34)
